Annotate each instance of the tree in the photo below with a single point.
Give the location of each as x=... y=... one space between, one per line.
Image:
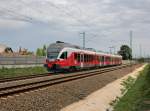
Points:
x=125 y=52
x=41 y=51
x=141 y=60
x=44 y=50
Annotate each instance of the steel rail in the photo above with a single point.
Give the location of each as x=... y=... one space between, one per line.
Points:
x=10 y=90
x=8 y=79
x=2 y=80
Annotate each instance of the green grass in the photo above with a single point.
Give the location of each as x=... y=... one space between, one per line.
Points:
x=13 y=72
x=137 y=97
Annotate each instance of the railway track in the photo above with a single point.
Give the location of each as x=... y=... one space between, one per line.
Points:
x=19 y=88
x=8 y=79
x=2 y=80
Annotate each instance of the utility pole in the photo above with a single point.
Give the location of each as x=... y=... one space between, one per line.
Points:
x=131 y=43
x=140 y=51
x=110 y=50
x=115 y=50
x=131 y=50
x=83 y=33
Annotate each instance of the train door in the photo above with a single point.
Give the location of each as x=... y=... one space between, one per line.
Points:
x=77 y=60
x=82 y=60
x=100 y=63
x=102 y=60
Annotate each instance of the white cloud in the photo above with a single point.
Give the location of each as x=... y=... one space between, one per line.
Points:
x=11 y=24
x=110 y=18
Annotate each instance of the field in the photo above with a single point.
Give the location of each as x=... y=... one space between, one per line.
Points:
x=137 y=97
x=13 y=72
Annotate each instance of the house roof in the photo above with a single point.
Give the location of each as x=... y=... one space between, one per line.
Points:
x=3 y=47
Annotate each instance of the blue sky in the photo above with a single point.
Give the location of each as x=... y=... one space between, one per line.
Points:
x=32 y=23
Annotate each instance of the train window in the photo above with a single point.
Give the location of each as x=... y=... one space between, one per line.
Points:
x=78 y=57
x=52 y=55
x=63 y=55
x=108 y=59
x=88 y=58
x=75 y=56
x=85 y=58
x=82 y=58
x=92 y=57
x=103 y=59
x=98 y=58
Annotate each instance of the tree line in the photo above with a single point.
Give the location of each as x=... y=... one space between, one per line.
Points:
x=41 y=51
x=126 y=52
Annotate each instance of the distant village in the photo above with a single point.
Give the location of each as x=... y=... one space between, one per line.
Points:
x=8 y=51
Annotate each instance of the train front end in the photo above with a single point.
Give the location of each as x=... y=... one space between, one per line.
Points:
x=57 y=56
x=52 y=61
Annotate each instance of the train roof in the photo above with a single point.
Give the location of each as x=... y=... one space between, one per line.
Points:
x=58 y=46
x=90 y=52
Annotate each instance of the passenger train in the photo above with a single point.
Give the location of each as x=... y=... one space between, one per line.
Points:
x=65 y=56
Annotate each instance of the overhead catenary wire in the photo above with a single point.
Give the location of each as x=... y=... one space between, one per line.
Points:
x=12 y=15
x=26 y=18
x=22 y=17
x=83 y=24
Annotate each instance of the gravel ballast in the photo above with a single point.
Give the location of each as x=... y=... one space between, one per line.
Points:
x=54 y=98
x=100 y=100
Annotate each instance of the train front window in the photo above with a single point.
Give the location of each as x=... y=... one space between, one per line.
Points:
x=52 y=55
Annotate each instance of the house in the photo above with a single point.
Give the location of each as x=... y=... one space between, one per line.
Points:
x=5 y=49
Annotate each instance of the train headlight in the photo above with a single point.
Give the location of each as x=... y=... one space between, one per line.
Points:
x=57 y=60
x=47 y=60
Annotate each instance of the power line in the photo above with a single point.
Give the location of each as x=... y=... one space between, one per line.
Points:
x=22 y=17
x=70 y=15
x=15 y=16
x=78 y=20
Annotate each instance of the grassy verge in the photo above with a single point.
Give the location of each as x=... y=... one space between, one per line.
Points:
x=13 y=72
x=137 y=97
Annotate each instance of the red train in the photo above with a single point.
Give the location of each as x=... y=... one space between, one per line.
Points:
x=62 y=56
